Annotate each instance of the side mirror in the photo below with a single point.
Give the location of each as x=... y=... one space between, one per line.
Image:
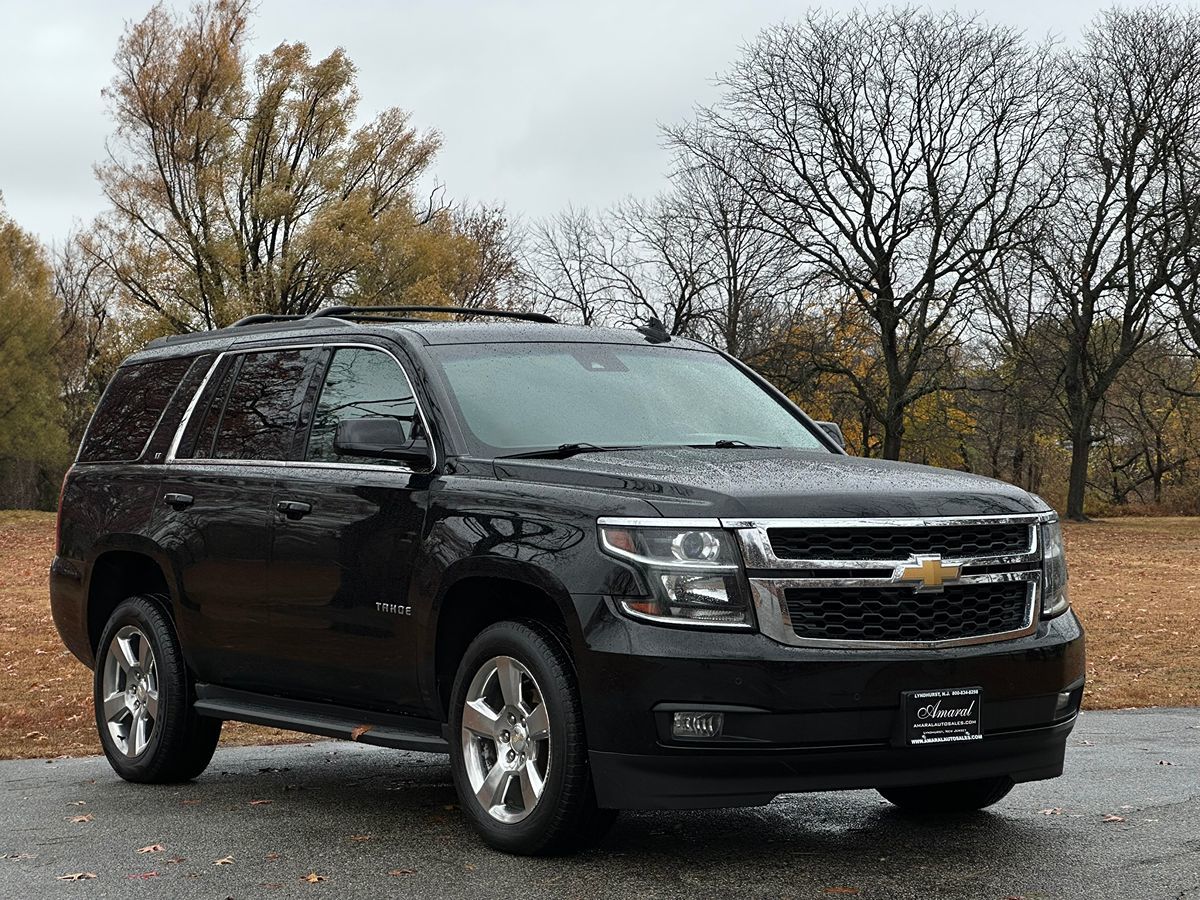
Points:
x=834 y=430
x=380 y=439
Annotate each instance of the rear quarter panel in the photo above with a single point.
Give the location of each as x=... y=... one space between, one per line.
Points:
x=104 y=507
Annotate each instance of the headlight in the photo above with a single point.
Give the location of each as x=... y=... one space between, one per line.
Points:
x=694 y=573
x=1055 y=597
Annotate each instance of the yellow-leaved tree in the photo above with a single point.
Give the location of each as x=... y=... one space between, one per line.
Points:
x=242 y=187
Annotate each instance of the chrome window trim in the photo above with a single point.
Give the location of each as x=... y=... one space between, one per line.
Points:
x=774 y=620
x=294 y=464
x=321 y=345
x=191 y=408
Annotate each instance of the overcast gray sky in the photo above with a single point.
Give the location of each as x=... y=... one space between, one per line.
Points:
x=540 y=104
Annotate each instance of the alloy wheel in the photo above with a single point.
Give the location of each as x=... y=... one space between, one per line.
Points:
x=130 y=691
x=506 y=739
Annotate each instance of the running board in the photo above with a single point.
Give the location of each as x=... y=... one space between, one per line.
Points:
x=364 y=726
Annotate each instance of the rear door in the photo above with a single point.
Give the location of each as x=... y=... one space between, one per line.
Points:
x=215 y=512
x=346 y=532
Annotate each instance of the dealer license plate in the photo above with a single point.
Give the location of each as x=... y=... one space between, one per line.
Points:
x=939 y=717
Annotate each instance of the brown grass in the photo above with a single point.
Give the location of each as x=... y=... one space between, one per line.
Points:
x=1133 y=582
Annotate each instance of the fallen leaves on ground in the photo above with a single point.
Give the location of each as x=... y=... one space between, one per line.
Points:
x=76 y=876
x=152 y=848
x=260 y=802
x=359 y=838
x=1052 y=811
x=313 y=878
x=400 y=873
x=223 y=861
x=80 y=820
x=142 y=876
x=359 y=731
x=1112 y=817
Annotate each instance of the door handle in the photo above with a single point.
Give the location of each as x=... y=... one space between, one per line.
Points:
x=294 y=509
x=178 y=501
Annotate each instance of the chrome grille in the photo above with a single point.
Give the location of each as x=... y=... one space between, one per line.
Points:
x=847 y=583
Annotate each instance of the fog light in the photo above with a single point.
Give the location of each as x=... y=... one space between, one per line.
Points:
x=697 y=725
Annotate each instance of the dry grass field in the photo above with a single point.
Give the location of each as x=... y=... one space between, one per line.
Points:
x=1133 y=581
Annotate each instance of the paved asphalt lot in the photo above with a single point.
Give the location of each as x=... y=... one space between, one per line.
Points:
x=380 y=823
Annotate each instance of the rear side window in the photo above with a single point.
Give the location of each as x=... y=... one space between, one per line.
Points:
x=130 y=408
x=360 y=384
x=256 y=413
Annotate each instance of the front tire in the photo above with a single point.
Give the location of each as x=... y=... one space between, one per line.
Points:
x=518 y=751
x=951 y=797
x=143 y=695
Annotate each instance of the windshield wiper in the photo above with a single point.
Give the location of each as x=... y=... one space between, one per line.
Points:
x=562 y=451
x=727 y=443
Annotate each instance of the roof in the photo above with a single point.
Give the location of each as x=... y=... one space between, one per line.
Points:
x=431 y=332
x=441 y=332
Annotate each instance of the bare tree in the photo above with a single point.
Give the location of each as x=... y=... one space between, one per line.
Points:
x=656 y=257
x=566 y=267
x=898 y=152
x=86 y=297
x=752 y=283
x=1112 y=254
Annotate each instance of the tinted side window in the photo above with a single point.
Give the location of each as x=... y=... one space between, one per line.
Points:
x=198 y=436
x=169 y=423
x=360 y=384
x=130 y=408
x=261 y=414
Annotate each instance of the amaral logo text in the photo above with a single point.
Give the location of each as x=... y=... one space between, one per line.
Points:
x=933 y=712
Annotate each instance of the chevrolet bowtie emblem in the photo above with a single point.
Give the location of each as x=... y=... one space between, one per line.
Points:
x=928 y=573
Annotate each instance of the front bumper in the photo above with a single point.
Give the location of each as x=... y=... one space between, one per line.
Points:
x=802 y=719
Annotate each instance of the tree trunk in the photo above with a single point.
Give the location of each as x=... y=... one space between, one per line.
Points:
x=1081 y=445
x=893 y=435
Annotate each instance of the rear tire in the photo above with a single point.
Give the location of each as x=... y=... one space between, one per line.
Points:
x=950 y=797
x=517 y=747
x=143 y=696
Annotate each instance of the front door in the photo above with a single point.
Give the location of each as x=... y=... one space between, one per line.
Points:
x=346 y=532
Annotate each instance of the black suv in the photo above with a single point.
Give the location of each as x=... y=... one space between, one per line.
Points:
x=600 y=568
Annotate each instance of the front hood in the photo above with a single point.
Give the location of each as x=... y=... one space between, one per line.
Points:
x=747 y=483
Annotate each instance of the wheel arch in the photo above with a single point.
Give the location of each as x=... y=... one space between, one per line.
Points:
x=120 y=570
x=513 y=590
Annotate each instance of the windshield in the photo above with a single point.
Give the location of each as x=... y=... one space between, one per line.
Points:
x=519 y=397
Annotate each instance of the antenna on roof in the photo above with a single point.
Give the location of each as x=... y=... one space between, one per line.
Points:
x=655 y=331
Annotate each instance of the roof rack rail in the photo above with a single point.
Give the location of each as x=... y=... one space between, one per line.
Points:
x=259 y=318
x=356 y=312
